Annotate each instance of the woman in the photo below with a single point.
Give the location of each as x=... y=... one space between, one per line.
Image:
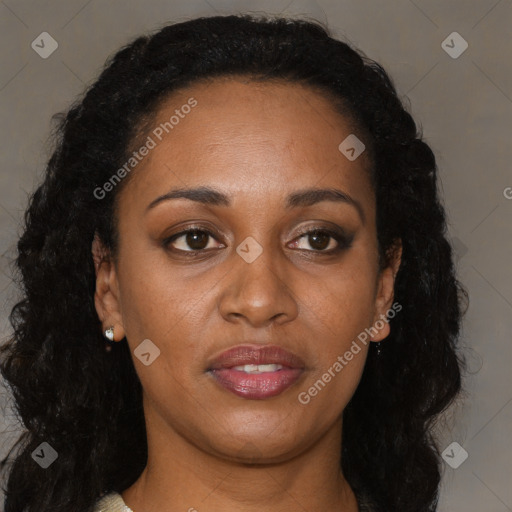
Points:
x=244 y=211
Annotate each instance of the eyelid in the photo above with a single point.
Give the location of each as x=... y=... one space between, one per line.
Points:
x=322 y=227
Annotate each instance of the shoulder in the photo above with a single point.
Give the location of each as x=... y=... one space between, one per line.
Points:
x=111 y=502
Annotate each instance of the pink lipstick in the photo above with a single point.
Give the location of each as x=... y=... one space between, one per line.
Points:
x=256 y=372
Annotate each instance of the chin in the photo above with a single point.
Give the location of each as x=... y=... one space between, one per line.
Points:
x=261 y=446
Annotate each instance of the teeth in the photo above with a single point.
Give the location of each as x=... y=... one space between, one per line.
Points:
x=258 y=368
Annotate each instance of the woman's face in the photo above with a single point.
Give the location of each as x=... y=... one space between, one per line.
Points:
x=257 y=280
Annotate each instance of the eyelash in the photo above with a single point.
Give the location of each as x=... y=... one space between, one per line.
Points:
x=344 y=242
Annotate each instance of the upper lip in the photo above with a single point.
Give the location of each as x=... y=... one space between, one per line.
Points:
x=253 y=354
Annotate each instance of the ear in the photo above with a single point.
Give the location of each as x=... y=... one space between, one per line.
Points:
x=106 y=296
x=385 y=290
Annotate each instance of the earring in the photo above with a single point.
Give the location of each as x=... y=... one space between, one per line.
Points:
x=109 y=333
x=378 y=349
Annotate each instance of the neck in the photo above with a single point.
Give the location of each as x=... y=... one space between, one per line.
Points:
x=180 y=476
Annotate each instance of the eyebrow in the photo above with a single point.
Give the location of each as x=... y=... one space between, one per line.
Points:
x=300 y=198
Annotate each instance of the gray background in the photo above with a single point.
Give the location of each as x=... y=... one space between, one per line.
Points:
x=464 y=106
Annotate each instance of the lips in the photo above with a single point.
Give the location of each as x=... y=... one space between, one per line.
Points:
x=256 y=372
x=249 y=354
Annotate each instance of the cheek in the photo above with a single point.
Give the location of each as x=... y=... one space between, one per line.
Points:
x=341 y=303
x=169 y=308
x=337 y=315
x=336 y=311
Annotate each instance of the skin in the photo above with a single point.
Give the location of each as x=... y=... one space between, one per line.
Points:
x=209 y=449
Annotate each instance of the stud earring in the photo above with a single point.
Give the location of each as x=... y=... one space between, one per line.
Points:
x=109 y=333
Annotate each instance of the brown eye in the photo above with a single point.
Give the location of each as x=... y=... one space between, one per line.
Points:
x=195 y=240
x=325 y=241
x=190 y=240
x=319 y=240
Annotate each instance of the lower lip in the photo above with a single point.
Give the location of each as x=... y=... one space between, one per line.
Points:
x=256 y=386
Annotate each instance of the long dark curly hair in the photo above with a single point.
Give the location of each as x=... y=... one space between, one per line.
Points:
x=86 y=402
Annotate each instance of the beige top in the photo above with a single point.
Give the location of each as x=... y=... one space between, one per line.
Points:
x=112 y=502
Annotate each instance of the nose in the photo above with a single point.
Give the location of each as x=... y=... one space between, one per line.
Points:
x=258 y=292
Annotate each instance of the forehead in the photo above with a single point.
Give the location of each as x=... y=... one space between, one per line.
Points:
x=249 y=138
